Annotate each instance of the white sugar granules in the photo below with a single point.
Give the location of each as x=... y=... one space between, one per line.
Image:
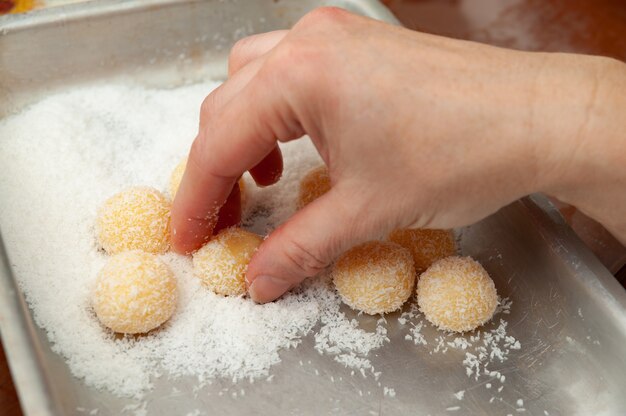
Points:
x=61 y=159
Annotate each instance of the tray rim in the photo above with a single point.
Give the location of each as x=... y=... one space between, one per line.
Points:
x=26 y=362
x=78 y=11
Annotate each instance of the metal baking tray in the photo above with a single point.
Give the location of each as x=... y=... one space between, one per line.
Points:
x=568 y=311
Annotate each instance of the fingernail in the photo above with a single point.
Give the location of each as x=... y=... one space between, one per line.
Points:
x=267 y=288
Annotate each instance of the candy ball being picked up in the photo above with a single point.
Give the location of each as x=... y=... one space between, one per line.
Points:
x=137 y=218
x=314 y=184
x=222 y=263
x=135 y=293
x=457 y=294
x=375 y=277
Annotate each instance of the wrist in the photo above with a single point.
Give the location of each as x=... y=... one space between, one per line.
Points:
x=584 y=144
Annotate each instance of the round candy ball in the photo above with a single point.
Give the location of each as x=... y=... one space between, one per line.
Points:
x=135 y=293
x=222 y=262
x=137 y=218
x=426 y=246
x=177 y=176
x=457 y=294
x=375 y=277
x=314 y=184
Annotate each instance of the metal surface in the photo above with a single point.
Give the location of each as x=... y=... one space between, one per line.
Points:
x=568 y=312
x=162 y=42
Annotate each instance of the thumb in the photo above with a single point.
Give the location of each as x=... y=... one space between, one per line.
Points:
x=304 y=245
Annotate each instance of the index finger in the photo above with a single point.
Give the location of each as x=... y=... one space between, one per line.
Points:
x=235 y=138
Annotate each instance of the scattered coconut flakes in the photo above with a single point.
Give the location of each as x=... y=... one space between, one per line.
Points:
x=440 y=346
x=504 y=306
x=137 y=409
x=415 y=334
x=459 y=343
x=482 y=348
x=496 y=346
x=93 y=141
x=389 y=392
x=342 y=337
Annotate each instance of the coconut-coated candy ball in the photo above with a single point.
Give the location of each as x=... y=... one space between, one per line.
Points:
x=375 y=277
x=426 y=246
x=313 y=185
x=135 y=293
x=137 y=218
x=457 y=294
x=222 y=262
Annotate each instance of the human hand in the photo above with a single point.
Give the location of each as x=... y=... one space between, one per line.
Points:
x=416 y=130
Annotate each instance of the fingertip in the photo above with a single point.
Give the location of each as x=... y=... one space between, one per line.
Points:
x=188 y=234
x=268 y=288
x=195 y=235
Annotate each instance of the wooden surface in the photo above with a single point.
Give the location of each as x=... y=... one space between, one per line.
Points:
x=9 y=404
x=583 y=26
x=595 y=27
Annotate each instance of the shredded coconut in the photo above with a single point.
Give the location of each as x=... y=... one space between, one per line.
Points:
x=482 y=349
x=389 y=392
x=65 y=155
x=61 y=159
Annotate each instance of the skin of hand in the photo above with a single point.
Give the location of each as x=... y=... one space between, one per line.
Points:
x=416 y=130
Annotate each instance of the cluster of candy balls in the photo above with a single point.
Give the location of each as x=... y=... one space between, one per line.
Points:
x=454 y=293
x=136 y=292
